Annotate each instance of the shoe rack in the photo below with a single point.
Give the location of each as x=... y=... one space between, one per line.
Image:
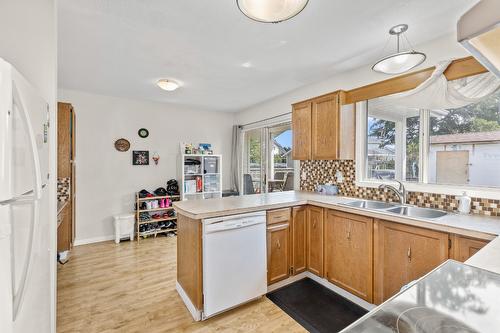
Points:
x=152 y=211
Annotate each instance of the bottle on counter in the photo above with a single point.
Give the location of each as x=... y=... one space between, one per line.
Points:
x=464 y=204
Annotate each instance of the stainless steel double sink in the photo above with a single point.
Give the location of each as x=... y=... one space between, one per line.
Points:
x=397 y=209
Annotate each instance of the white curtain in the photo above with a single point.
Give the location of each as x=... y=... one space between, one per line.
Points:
x=437 y=93
x=236 y=158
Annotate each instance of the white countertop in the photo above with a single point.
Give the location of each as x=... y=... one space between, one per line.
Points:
x=468 y=225
x=478 y=226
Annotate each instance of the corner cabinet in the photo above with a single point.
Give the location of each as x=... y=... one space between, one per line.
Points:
x=402 y=254
x=462 y=248
x=349 y=252
x=315 y=240
x=299 y=239
x=322 y=129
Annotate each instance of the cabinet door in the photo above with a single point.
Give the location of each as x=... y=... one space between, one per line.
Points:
x=299 y=219
x=301 y=131
x=278 y=252
x=325 y=127
x=463 y=247
x=315 y=240
x=348 y=254
x=403 y=254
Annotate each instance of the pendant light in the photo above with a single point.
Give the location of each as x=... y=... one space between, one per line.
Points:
x=271 y=11
x=401 y=61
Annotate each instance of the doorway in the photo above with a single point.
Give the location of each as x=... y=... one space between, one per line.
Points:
x=267 y=164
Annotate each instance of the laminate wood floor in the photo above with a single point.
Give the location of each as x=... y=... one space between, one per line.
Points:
x=108 y=287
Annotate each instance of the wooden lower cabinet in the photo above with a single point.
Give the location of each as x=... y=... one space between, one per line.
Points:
x=315 y=240
x=278 y=252
x=402 y=254
x=299 y=239
x=349 y=252
x=462 y=248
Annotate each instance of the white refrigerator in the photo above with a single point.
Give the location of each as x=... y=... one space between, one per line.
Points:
x=25 y=229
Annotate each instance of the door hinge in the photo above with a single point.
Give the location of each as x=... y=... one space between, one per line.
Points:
x=291 y=270
x=202 y=298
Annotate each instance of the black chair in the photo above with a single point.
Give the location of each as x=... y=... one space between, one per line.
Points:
x=248 y=184
x=288 y=185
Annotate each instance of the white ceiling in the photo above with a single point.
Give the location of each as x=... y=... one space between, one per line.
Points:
x=121 y=47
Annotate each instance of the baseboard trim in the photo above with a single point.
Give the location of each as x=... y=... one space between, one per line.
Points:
x=189 y=305
x=85 y=241
x=287 y=281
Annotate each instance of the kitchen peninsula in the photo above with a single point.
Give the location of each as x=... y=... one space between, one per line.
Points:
x=366 y=255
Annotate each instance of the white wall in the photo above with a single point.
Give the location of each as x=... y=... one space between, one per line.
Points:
x=28 y=41
x=106 y=179
x=437 y=50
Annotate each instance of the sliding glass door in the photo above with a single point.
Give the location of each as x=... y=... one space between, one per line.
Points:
x=267 y=164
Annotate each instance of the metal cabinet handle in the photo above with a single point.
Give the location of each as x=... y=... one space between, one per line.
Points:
x=314 y=224
x=278 y=244
x=349 y=235
x=409 y=254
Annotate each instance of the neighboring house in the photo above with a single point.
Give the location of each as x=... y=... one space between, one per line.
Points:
x=468 y=158
x=380 y=159
x=285 y=155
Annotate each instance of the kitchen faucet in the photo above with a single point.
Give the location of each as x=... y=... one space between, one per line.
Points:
x=401 y=192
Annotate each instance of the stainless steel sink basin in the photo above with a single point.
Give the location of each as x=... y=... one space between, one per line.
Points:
x=370 y=204
x=426 y=213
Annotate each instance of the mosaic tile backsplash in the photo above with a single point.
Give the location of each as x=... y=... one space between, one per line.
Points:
x=314 y=173
x=63 y=189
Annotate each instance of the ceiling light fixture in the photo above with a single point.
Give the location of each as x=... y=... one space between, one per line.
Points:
x=401 y=61
x=271 y=11
x=167 y=85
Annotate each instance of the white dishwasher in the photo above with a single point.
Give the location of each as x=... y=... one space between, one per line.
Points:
x=234 y=261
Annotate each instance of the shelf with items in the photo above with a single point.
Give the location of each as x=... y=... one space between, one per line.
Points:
x=201 y=176
x=157 y=219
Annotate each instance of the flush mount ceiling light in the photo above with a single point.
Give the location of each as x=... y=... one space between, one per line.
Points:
x=271 y=11
x=401 y=61
x=168 y=85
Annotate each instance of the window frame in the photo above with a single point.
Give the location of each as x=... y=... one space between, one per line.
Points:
x=422 y=185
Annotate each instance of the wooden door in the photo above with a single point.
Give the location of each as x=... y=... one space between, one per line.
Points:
x=301 y=131
x=299 y=233
x=315 y=240
x=349 y=252
x=325 y=127
x=402 y=254
x=278 y=252
x=452 y=167
x=462 y=248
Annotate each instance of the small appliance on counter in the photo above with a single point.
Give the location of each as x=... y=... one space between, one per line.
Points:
x=327 y=189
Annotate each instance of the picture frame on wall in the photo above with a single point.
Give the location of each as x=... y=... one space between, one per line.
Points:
x=140 y=157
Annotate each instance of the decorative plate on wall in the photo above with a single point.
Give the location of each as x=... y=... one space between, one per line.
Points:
x=122 y=144
x=143 y=133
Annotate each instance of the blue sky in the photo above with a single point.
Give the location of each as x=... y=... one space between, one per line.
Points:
x=285 y=138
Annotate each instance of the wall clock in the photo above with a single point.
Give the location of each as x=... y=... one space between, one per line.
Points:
x=143 y=133
x=122 y=144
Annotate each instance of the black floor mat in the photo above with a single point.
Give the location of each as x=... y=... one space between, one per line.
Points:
x=315 y=307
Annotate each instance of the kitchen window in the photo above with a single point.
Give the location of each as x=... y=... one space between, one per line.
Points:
x=451 y=146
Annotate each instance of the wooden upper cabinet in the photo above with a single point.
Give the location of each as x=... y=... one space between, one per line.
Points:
x=322 y=129
x=301 y=131
x=315 y=240
x=462 y=248
x=325 y=127
x=299 y=225
x=402 y=254
x=349 y=252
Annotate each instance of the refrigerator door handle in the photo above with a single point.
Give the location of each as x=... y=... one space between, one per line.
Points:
x=18 y=295
x=34 y=151
x=25 y=197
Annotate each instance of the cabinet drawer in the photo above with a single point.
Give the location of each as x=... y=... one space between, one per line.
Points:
x=278 y=215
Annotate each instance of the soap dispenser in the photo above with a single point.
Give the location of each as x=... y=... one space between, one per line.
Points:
x=464 y=204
